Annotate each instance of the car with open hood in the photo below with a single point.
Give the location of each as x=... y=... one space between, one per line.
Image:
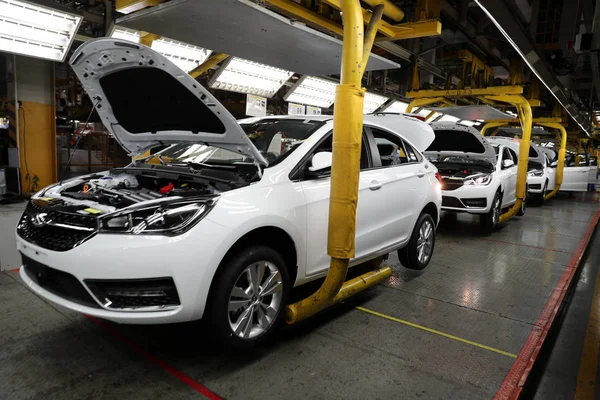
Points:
x=223 y=218
x=540 y=175
x=478 y=177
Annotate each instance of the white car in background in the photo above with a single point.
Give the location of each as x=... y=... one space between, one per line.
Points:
x=477 y=177
x=540 y=176
x=575 y=178
x=227 y=218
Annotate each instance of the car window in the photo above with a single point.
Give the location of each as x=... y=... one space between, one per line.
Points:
x=393 y=150
x=326 y=145
x=514 y=155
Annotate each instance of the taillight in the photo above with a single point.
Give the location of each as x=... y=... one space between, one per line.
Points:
x=438 y=177
x=418 y=117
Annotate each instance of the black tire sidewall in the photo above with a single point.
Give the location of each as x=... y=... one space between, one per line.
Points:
x=409 y=257
x=224 y=281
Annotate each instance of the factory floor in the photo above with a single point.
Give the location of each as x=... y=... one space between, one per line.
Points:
x=466 y=327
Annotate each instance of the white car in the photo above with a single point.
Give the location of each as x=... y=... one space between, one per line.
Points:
x=575 y=177
x=227 y=218
x=477 y=177
x=540 y=175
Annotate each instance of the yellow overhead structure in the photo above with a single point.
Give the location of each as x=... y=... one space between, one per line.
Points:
x=130 y=6
x=212 y=61
x=407 y=30
x=347 y=141
x=496 y=94
x=553 y=123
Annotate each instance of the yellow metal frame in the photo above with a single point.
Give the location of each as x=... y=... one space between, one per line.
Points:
x=347 y=141
x=212 y=61
x=500 y=94
x=554 y=123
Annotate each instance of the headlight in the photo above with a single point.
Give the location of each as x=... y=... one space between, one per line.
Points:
x=173 y=218
x=481 y=179
x=535 y=172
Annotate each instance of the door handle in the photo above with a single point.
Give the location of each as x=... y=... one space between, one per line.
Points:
x=420 y=174
x=375 y=185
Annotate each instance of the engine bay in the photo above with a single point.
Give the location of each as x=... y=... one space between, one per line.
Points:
x=123 y=187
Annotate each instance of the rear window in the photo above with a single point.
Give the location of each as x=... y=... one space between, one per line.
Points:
x=450 y=140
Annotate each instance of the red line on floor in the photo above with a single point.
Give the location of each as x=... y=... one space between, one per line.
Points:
x=14 y=270
x=525 y=245
x=517 y=376
x=152 y=358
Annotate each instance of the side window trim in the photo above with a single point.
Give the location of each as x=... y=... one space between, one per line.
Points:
x=296 y=172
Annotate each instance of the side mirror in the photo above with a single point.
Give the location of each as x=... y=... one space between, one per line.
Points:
x=507 y=163
x=554 y=164
x=321 y=161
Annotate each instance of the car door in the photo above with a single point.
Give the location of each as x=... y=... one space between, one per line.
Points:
x=401 y=194
x=551 y=171
x=508 y=177
x=575 y=178
x=317 y=191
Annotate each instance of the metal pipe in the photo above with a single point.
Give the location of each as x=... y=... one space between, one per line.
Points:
x=370 y=34
x=526 y=117
x=561 y=156
x=345 y=169
x=208 y=64
x=490 y=125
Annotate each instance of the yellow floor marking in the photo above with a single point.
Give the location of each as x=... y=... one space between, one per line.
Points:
x=586 y=378
x=446 y=335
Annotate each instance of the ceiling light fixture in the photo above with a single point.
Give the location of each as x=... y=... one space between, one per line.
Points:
x=372 y=102
x=312 y=91
x=245 y=76
x=36 y=31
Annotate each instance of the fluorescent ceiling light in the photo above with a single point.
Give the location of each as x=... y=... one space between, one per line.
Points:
x=448 y=118
x=185 y=56
x=373 y=102
x=435 y=116
x=424 y=112
x=36 y=31
x=514 y=45
x=397 y=107
x=244 y=76
x=312 y=91
x=468 y=123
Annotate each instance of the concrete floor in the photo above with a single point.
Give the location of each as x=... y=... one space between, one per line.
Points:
x=480 y=295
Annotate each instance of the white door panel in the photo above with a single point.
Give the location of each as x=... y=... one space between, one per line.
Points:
x=551 y=178
x=592 y=175
x=316 y=192
x=575 y=179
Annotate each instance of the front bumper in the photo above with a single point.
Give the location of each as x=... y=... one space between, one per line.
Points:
x=190 y=260
x=535 y=184
x=471 y=199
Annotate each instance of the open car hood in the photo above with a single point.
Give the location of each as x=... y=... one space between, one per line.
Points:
x=145 y=100
x=460 y=141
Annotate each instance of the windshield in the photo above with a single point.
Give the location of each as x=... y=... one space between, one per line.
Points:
x=274 y=138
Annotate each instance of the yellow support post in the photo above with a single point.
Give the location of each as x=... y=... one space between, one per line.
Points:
x=561 y=155
x=208 y=64
x=526 y=118
x=347 y=140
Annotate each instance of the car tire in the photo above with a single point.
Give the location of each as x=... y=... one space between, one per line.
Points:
x=489 y=221
x=418 y=252
x=542 y=196
x=522 y=209
x=246 y=305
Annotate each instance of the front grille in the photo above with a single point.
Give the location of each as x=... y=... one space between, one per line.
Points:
x=135 y=293
x=451 y=184
x=449 y=201
x=57 y=230
x=535 y=186
x=58 y=282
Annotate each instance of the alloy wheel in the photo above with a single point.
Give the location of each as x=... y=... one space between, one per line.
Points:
x=255 y=300
x=425 y=242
